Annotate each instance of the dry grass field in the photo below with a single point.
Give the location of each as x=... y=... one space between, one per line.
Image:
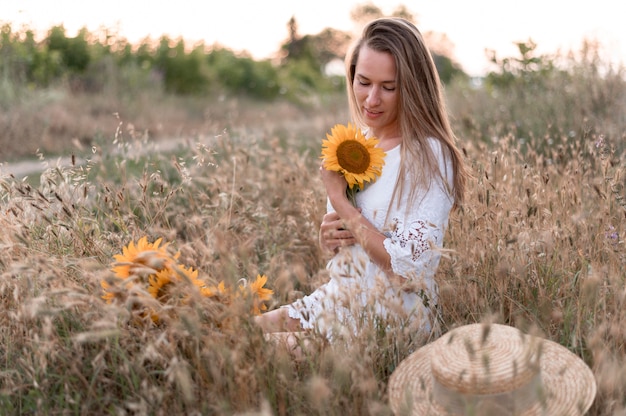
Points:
x=538 y=245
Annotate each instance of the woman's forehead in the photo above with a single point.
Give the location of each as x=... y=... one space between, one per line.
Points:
x=376 y=65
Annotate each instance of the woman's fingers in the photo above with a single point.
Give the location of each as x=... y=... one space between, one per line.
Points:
x=335 y=238
x=330 y=217
x=339 y=234
x=333 y=232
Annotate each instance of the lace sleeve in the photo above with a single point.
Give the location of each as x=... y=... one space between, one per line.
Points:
x=414 y=237
x=413 y=248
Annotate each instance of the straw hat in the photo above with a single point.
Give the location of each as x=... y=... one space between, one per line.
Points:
x=491 y=369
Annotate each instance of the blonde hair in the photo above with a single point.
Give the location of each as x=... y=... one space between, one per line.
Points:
x=422 y=113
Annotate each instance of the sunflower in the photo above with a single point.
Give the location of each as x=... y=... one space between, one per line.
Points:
x=257 y=289
x=258 y=292
x=347 y=151
x=219 y=291
x=159 y=284
x=111 y=292
x=143 y=257
x=189 y=275
x=151 y=267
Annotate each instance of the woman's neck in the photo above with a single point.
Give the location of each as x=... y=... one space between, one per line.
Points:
x=388 y=143
x=387 y=139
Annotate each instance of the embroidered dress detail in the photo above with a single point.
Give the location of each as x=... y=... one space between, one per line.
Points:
x=414 y=236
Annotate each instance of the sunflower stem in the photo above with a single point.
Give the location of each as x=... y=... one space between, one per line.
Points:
x=351 y=194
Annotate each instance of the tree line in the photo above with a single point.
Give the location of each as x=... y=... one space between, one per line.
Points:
x=91 y=62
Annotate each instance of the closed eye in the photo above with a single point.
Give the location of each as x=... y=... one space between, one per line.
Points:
x=386 y=88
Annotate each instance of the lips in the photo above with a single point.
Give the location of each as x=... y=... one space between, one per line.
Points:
x=371 y=113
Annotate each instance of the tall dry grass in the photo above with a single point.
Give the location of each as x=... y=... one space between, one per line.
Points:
x=538 y=244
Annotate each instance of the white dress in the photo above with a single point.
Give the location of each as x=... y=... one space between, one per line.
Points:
x=358 y=290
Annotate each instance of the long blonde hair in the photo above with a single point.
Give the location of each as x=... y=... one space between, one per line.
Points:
x=422 y=113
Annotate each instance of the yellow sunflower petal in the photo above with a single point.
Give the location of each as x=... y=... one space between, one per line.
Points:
x=111 y=292
x=347 y=151
x=190 y=277
x=157 y=283
x=257 y=288
x=107 y=296
x=141 y=256
x=220 y=290
x=258 y=294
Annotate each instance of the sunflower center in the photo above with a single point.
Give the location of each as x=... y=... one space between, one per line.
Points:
x=353 y=156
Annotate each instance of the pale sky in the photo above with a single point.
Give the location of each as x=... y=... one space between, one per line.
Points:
x=260 y=26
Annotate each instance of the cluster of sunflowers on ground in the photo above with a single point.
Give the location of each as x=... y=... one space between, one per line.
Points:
x=151 y=270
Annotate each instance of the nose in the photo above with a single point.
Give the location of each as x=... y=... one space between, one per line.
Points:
x=373 y=97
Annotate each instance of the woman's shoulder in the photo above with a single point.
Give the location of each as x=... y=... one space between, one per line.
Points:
x=442 y=157
x=440 y=153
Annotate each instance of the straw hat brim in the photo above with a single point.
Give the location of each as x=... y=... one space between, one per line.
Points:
x=568 y=382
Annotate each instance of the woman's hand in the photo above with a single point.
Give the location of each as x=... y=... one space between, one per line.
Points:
x=346 y=226
x=333 y=235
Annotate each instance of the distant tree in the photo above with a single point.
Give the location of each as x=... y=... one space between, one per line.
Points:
x=447 y=68
x=404 y=12
x=182 y=71
x=13 y=65
x=243 y=75
x=363 y=13
x=74 y=51
x=528 y=68
x=439 y=45
x=319 y=49
x=442 y=51
x=143 y=55
x=330 y=44
x=299 y=48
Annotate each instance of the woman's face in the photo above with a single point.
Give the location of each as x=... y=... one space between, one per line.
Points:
x=376 y=91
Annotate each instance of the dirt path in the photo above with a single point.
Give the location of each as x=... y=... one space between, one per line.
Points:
x=26 y=168
x=23 y=168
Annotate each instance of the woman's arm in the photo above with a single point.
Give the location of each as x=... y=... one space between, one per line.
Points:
x=349 y=218
x=409 y=248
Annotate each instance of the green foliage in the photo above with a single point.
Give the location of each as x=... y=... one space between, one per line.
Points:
x=243 y=75
x=527 y=68
x=182 y=71
x=300 y=78
x=90 y=65
x=23 y=61
x=74 y=52
x=301 y=49
x=544 y=99
x=447 y=69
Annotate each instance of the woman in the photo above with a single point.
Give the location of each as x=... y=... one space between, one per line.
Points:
x=387 y=246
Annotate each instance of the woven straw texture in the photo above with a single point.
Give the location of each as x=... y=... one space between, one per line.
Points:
x=492 y=359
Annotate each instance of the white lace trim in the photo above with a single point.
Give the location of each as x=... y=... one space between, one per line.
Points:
x=304 y=310
x=411 y=248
